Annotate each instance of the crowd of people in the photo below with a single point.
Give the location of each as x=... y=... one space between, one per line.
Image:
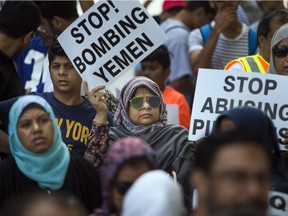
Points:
x=67 y=148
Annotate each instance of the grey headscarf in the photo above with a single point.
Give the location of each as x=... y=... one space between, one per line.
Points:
x=279 y=35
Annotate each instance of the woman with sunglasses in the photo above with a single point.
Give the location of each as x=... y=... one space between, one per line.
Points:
x=142 y=113
x=40 y=160
x=279 y=51
x=279 y=65
x=126 y=160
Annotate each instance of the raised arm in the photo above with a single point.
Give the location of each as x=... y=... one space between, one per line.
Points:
x=201 y=58
x=98 y=140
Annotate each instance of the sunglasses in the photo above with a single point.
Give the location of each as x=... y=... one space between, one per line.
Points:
x=137 y=102
x=122 y=187
x=280 y=51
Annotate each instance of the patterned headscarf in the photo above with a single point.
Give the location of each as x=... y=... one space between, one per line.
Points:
x=49 y=168
x=127 y=92
x=279 y=35
x=121 y=151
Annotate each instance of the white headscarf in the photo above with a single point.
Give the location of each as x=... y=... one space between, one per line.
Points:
x=279 y=35
x=154 y=194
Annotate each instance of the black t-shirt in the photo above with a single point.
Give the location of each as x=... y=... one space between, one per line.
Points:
x=10 y=83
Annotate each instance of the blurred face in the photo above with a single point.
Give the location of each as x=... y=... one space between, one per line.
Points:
x=281 y=58
x=125 y=178
x=35 y=130
x=146 y=114
x=223 y=5
x=239 y=181
x=64 y=76
x=46 y=33
x=154 y=71
x=48 y=207
x=268 y=5
x=265 y=42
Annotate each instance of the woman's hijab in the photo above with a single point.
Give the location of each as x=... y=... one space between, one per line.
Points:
x=154 y=193
x=49 y=168
x=279 y=35
x=121 y=151
x=256 y=121
x=126 y=94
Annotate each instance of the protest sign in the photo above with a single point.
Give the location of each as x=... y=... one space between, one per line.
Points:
x=110 y=38
x=218 y=91
x=278 y=204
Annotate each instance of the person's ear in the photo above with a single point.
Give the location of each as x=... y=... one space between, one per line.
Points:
x=28 y=37
x=199 y=181
x=57 y=22
x=167 y=72
x=200 y=13
x=261 y=40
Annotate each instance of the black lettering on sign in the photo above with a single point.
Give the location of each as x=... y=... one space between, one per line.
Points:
x=198 y=124
x=277 y=202
x=208 y=106
x=255 y=85
x=230 y=86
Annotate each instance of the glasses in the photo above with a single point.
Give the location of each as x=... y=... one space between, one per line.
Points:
x=137 y=102
x=280 y=51
x=122 y=187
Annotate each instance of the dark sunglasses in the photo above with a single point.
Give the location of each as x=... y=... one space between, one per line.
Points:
x=122 y=187
x=137 y=102
x=280 y=51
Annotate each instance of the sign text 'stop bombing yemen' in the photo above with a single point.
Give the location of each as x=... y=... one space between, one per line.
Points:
x=110 y=39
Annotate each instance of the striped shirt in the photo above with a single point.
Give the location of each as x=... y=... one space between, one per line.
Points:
x=226 y=49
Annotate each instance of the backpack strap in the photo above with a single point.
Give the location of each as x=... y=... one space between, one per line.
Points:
x=252 y=42
x=205 y=32
x=252 y=46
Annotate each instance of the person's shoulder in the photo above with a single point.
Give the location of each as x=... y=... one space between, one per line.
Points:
x=80 y=163
x=172 y=25
x=7 y=165
x=175 y=129
x=173 y=91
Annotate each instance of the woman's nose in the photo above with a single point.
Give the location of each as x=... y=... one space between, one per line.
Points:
x=146 y=104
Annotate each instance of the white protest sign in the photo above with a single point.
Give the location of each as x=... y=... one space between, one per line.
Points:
x=172 y=113
x=278 y=204
x=218 y=91
x=110 y=38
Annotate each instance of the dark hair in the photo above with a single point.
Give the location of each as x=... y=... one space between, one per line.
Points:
x=174 y=10
x=55 y=50
x=30 y=106
x=193 y=5
x=18 y=18
x=65 y=9
x=135 y=162
x=161 y=55
x=211 y=145
x=264 y=24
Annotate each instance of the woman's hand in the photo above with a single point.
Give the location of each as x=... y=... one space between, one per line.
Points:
x=97 y=98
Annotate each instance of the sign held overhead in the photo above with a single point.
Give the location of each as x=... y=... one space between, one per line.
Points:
x=110 y=38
